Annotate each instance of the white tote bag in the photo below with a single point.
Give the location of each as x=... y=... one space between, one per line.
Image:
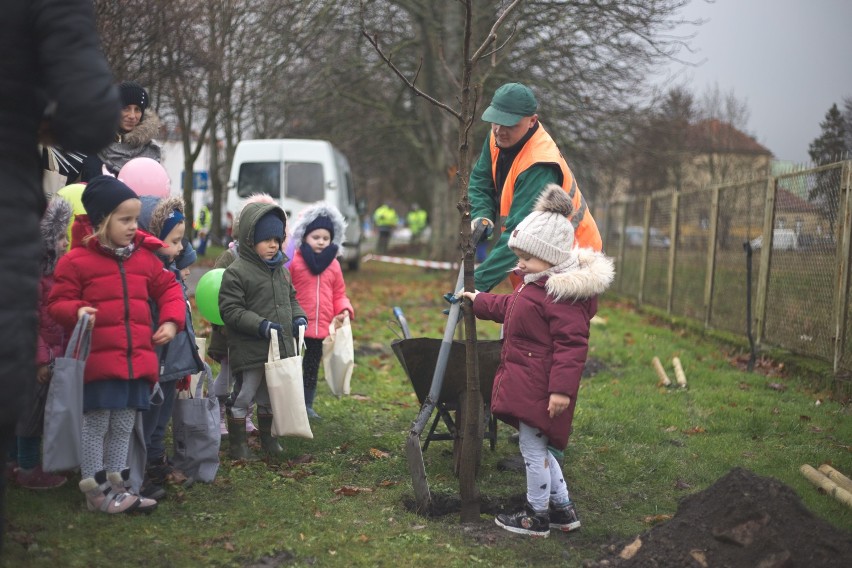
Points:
x=286 y=390
x=338 y=357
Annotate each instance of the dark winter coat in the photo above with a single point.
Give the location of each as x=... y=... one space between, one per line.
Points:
x=138 y=143
x=119 y=289
x=250 y=293
x=545 y=343
x=50 y=48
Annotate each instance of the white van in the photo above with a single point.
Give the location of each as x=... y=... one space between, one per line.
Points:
x=298 y=173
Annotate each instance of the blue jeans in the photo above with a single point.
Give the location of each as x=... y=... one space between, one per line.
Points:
x=155 y=420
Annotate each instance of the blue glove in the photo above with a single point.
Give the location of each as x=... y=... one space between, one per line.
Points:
x=265 y=329
x=489 y=228
x=297 y=323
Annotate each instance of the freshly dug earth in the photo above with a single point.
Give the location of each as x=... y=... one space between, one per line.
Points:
x=741 y=521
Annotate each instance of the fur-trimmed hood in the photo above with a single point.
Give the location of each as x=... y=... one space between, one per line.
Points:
x=54 y=226
x=321 y=209
x=590 y=275
x=145 y=132
x=155 y=211
x=253 y=198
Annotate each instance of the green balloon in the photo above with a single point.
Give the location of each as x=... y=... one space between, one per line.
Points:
x=207 y=295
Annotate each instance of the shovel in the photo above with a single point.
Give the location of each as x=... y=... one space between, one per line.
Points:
x=413 y=453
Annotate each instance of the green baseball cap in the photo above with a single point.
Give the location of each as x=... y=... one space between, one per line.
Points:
x=510 y=104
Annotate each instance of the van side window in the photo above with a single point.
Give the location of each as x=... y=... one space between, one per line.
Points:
x=259 y=177
x=304 y=181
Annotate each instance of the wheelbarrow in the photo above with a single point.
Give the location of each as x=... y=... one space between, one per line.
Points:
x=418 y=356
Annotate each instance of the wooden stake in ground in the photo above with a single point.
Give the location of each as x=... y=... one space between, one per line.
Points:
x=837 y=477
x=825 y=484
x=664 y=378
x=679 y=374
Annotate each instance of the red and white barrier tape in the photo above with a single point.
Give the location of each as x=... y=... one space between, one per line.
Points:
x=411 y=261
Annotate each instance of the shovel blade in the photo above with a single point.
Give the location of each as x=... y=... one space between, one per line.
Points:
x=417 y=469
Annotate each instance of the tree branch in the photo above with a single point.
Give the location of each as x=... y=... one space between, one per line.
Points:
x=492 y=35
x=375 y=43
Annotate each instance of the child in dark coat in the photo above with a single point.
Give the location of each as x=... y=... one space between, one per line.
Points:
x=546 y=334
x=255 y=297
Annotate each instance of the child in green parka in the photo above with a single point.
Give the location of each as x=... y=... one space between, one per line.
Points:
x=255 y=297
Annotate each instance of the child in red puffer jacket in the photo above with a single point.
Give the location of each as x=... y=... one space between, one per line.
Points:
x=110 y=274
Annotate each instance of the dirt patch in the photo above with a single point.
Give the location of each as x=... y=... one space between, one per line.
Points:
x=741 y=521
x=443 y=505
x=593 y=367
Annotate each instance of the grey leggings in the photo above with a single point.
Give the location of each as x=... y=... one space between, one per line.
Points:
x=106 y=440
x=545 y=482
x=252 y=389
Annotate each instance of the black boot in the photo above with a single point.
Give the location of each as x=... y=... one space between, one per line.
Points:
x=310 y=393
x=237 y=440
x=268 y=442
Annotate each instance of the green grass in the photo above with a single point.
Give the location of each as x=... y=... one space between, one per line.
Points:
x=637 y=449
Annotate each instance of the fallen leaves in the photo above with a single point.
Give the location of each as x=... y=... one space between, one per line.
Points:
x=350 y=490
x=379 y=454
x=654 y=519
x=694 y=430
x=631 y=549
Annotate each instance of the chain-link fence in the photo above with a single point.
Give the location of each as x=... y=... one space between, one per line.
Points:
x=786 y=239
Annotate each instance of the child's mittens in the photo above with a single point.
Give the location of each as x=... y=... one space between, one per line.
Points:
x=297 y=323
x=265 y=329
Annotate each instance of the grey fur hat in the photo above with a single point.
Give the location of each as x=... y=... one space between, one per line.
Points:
x=54 y=225
x=322 y=209
x=546 y=233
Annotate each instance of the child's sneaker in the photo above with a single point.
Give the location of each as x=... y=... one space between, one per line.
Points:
x=250 y=427
x=564 y=519
x=526 y=522
x=38 y=479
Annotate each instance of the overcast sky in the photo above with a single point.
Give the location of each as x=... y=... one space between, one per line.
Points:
x=789 y=60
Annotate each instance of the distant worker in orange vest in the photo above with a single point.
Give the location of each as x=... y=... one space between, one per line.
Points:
x=519 y=159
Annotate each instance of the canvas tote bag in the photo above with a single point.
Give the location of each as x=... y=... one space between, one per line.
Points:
x=195 y=432
x=63 y=410
x=338 y=357
x=286 y=390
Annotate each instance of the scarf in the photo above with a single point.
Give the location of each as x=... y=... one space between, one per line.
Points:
x=275 y=261
x=318 y=262
x=121 y=253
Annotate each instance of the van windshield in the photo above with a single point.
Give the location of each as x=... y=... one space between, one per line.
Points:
x=259 y=177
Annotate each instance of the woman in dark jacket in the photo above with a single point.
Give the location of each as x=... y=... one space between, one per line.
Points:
x=545 y=343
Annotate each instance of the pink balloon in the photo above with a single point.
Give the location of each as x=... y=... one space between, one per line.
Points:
x=146 y=177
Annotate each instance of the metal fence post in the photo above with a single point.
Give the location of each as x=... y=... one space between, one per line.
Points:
x=670 y=280
x=841 y=304
x=711 y=257
x=765 y=258
x=646 y=224
x=621 y=247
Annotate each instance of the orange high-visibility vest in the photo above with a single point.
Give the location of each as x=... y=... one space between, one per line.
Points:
x=541 y=149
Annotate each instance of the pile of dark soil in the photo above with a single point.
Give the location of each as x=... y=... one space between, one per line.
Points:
x=741 y=521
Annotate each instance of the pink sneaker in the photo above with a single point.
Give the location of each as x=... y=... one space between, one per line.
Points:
x=38 y=479
x=250 y=427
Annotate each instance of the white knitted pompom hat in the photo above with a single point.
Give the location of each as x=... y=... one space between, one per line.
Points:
x=546 y=233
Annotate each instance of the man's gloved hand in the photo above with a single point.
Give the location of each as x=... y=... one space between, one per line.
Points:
x=265 y=329
x=489 y=228
x=453 y=297
x=297 y=323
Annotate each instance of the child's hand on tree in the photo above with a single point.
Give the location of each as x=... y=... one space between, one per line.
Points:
x=557 y=404
x=165 y=333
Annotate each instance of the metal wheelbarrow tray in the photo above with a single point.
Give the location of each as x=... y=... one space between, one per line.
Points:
x=417 y=357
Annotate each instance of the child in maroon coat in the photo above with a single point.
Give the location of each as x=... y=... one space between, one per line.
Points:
x=546 y=333
x=110 y=275
x=52 y=341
